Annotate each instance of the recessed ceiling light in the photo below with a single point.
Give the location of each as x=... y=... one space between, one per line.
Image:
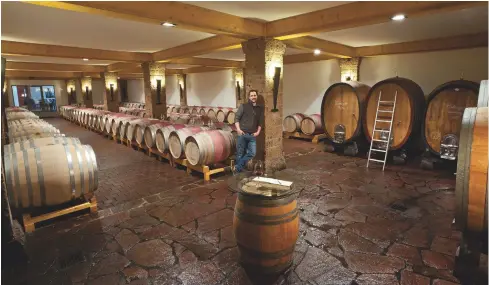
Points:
x=85 y=59
x=316 y=52
x=398 y=17
x=168 y=24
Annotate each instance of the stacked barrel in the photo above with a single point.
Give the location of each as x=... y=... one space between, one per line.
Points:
x=42 y=166
x=298 y=122
x=216 y=143
x=215 y=114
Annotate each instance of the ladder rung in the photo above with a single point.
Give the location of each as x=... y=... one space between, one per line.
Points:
x=383 y=121
x=386 y=102
x=382 y=131
x=386 y=111
x=376 y=160
x=379 y=150
x=376 y=140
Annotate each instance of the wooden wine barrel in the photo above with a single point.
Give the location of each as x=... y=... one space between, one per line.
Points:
x=472 y=172
x=11 y=116
x=176 y=140
x=25 y=122
x=194 y=111
x=409 y=113
x=292 y=123
x=140 y=128
x=119 y=126
x=444 y=112
x=150 y=133
x=199 y=120
x=312 y=124
x=209 y=147
x=203 y=111
x=258 y=221
x=126 y=129
x=222 y=114
x=483 y=99
x=50 y=175
x=163 y=134
x=225 y=127
x=39 y=142
x=185 y=110
x=231 y=118
x=28 y=131
x=342 y=111
x=211 y=113
x=34 y=136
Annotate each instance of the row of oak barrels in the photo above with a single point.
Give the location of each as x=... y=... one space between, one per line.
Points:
x=348 y=112
x=200 y=145
x=43 y=167
x=220 y=114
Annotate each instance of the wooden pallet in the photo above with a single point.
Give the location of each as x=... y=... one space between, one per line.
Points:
x=30 y=222
x=159 y=155
x=204 y=169
x=314 y=138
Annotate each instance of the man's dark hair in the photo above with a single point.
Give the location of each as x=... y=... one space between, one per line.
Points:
x=252 y=90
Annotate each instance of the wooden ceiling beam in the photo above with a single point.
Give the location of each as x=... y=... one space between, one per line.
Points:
x=119 y=66
x=201 y=69
x=209 y=62
x=20 y=48
x=41 y=74
x=326 y=47
x=36 y=66
x=183 y=15
x=208 y=45
x=359 y=14
x=447 y=43
x=306 y=57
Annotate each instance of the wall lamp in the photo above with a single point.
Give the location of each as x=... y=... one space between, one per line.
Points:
x=276 y=82
x=87 y=92
x=238 y=89
x=111 y=92
x=158 y=91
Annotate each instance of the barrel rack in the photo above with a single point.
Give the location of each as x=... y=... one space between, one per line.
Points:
x=314 y=138
x=30 y=221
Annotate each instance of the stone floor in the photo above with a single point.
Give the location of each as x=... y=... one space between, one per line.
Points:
x=159 y=226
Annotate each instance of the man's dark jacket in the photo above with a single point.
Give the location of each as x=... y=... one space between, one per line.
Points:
x=249 y=117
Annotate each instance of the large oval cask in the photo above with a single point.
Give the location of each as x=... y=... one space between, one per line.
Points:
x=409 y=111
x=176 y=140
x=472 y=164
x=443 y=118
x=39 y=142
x=209 y=147
x=312 y=124
x=342 y=111
x=266 y=230
x=50 y=175
x=292 y=123
x=163 y=134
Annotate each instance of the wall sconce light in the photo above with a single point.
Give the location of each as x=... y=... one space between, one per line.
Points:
x=87 y=92
x=180 y=84
x=238 y=89
x=276 y=82
x=111 y=92
x=158 y=91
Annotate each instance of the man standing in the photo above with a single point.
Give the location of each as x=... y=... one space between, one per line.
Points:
x=249 y=121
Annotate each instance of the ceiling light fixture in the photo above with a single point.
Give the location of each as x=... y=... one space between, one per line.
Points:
x=316 y=52
x=85 y=59
x=398 y=17
x=168 y=24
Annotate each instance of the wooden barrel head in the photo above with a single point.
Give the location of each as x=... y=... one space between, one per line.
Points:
x=211 y=113
x=175 y=146
x=403 y=117
x=231 y=117
x=221 y=115
x=292 y=123
x=446 y=105
x=192 y=152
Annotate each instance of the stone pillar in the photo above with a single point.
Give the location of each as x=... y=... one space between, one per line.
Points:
x=154 y=89
x=350 y=69
x=238 y=81
x=182 y=86
x=111 y=91
x=7 y=92
x=264 y=59
x=86 y=88
x=71 y=91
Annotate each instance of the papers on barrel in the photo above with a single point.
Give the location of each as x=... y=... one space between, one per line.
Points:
x=267 y=186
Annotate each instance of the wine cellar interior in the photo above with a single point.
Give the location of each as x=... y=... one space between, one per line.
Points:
x=122 y=142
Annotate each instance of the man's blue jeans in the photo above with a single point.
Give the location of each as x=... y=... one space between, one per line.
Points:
x=245 y=150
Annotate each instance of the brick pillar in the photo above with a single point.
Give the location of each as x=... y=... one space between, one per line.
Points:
x=238 y=81
x=111 y=91
x=71 y=91
x=263 y=56
x=154 y=82
x=350 y=69
x=182 y=86
x=86 y=88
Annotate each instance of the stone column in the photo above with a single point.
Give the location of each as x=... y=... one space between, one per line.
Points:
x=111 y=91
x=238 y=81
x=349 y=68
x=182 y=86
x=86 y=88
x=71 y=91
x=154 y=89
x=264 y=59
